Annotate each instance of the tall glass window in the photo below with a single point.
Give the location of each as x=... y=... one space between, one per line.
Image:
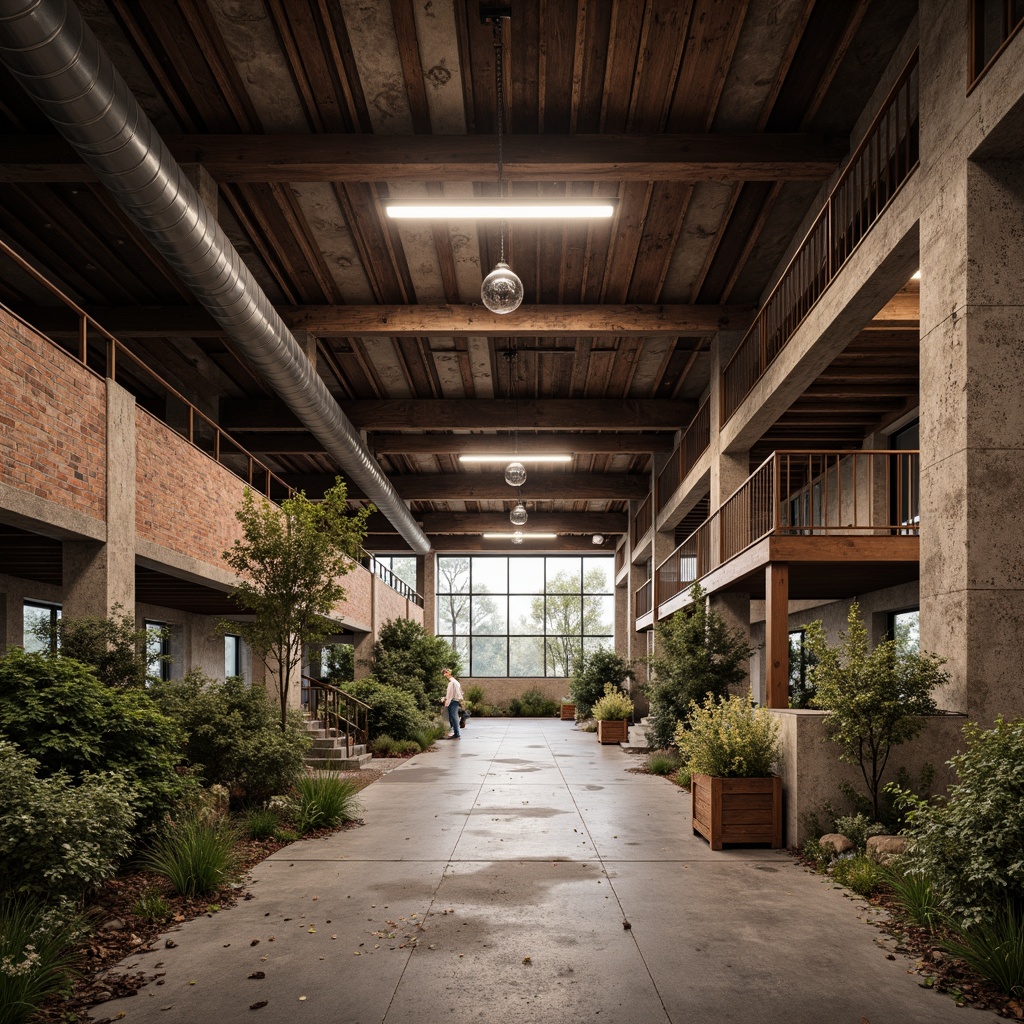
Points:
x=158 y=650
x=232 y=655
x=525 y=615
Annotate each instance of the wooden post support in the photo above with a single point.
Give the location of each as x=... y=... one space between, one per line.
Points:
x=776 y=592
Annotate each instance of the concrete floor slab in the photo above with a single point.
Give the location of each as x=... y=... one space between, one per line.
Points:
x=477 y=891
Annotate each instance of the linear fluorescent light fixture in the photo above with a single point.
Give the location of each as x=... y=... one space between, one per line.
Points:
x=515 y=458
x=519 y=533
x=485 y=209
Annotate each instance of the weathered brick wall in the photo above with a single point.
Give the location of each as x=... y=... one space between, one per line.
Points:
x=356 y=609
x=53 y=422
x=390 y=604
x=184 y=500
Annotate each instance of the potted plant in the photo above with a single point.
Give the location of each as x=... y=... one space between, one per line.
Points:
x=567 y=710
x=731 y=748
x=611 y=713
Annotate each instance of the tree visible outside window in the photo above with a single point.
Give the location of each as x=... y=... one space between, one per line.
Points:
x=525 y=615
x=39 y=626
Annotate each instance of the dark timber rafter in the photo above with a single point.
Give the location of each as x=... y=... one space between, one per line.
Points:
x=369 y=158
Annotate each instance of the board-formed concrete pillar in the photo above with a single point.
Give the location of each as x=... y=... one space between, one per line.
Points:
x=100 y=576
x=972 y=435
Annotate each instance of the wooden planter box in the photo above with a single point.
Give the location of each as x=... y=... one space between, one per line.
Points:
x=613 y=732
x=737 y=810
x=568 y=713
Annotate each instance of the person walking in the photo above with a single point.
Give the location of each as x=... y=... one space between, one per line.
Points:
x=453 y=701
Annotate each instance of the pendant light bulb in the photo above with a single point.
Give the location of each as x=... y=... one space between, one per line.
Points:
x=519 y=515
x=515 y=474
x=517 y=537
x=502 y=291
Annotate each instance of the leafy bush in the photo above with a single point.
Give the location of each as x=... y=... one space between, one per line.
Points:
x=114 y=648
x=383 y=745
x=614 y=706
x=232 y=735
x=532 y=704
x=700 y=656
x=326 y=802
x=338 y=664
x=858 y=828
x=591 y=672
x=393 y=711
x=994 y=948
x=876 y=698
x=56 y=708
x=970 y=842
x=37 y=956
x=662 y=762
x=57 y=838
x=195 y=854
x=683 y=778
x=473 y=694
x=409 y=658
x=729 y=739
x=262 y=823
x=388 y=746
x=859 y=873
x=915 y=895
x=426 y=737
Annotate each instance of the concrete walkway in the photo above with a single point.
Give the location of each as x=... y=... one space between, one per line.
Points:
x=493 y=881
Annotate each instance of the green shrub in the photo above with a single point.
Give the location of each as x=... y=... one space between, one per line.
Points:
x=859 y=873
x=38 y=956
x=57 y=709
x=729 y=739
x=532 y=704
x=662 y=762
x=58 y=838
x=383 y=745
x=816 y=854
x=970 y=842
x=700 y=655
x=152 y=906
x=195 y=854
x=393 y=712
x=858 y=828
x=590 y=673
x=474 y=695
x=232 y=735
x=262 y=823
x=614 y=706
x=915 y=895
x=409 y=658
x=683 y=777
x=326 y=802
x=994 y=947
x=426 y=737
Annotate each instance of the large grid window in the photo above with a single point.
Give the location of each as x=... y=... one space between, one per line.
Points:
x=524 y=615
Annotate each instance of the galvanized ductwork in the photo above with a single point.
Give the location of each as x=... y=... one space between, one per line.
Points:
x=54 y=54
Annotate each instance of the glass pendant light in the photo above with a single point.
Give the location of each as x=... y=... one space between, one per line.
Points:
x=519 y=515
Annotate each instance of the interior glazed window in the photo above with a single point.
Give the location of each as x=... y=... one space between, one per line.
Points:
x=39 y=622
x=525 y=615
x=158 y=650
x=232 y=655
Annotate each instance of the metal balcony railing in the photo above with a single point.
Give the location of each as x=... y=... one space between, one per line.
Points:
x=643 y=521
x=692 y=445
x=879 y=166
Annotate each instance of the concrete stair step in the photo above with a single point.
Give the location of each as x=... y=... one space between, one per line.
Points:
x=341 y=764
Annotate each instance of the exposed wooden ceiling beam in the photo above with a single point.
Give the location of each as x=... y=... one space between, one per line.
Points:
x=370 y=158
x=538 y=321
x=243 y=414
x=540 y=444
x=478 y=522
x=469 y=544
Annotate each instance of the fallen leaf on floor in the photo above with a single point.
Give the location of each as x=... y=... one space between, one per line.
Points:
x=259 y=1005
x=258 y=975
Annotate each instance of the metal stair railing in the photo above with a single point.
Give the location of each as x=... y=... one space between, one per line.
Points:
x=342 y=714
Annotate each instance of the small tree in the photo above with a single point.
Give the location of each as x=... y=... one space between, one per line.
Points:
x=875 y=697
x=591 y=672
x=290 y=562
x=406 y=656
x=700 y=656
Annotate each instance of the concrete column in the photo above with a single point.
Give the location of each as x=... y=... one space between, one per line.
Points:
x=972 y=435
x=100 y=576
x=426 y=586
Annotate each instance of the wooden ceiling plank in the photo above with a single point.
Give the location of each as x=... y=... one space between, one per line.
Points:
x=662 y=44
x=541 y=444
x=477 y=522
x=540 y=486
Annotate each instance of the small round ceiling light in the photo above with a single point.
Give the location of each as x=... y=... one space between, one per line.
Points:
x=515 y=474
x=519 y=515
x=502 y=291
x=597 y=540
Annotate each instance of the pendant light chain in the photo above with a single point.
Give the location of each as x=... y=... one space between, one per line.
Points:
x=499 y=82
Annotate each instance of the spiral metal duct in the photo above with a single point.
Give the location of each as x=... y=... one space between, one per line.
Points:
x=60 y=63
